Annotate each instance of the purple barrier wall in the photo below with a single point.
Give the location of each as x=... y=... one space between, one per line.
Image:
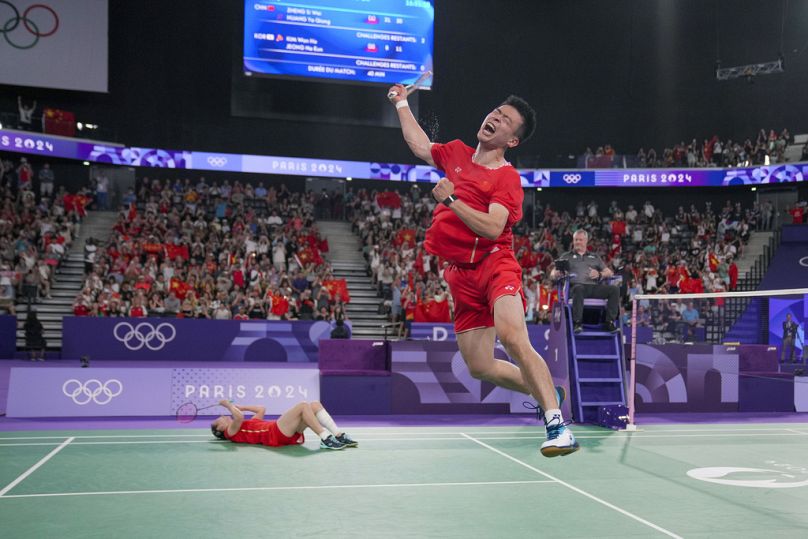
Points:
x=348 y=357
x=687 y=378
x=8 y=336
x=539 y=334
x=192 y=340
x=366 y=394
x=154 y=391
x=431 y=377
x=794 y=233
x=789 y=267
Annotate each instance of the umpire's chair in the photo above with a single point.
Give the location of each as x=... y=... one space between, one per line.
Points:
x=597 y=363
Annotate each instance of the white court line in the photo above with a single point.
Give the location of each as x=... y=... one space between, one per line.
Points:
x=28 y=444
x=33 y=468
x=591 y=429
x=109 y=436
x=635 y=436
x=576 y=489
x=372 y=432
x=253 y=489
x=612 y=437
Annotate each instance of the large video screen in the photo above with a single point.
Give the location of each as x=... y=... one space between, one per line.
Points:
x=362 y=41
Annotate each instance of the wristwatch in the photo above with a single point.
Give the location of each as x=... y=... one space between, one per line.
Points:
x=448 y=200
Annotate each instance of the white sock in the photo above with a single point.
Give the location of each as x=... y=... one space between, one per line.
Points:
x=325 y=420
x=553 y=415
x=325 y=434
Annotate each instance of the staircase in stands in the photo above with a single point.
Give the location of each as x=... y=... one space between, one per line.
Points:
x=347 y=262
x=67 y=282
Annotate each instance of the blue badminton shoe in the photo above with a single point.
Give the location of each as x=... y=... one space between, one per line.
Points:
x=347 y=441
x=331 y=443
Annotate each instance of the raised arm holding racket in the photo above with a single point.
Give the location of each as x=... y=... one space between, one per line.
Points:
x=287 y=430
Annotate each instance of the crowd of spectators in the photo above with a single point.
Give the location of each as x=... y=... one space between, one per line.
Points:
x=693 y=250
x=226 y=250
x=712 y=152
x=36 y=231
x=392 y=227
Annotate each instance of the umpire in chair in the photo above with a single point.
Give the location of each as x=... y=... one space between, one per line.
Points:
x=586 y=271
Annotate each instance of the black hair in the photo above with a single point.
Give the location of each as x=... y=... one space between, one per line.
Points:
x=216 y=432
x=527 y=113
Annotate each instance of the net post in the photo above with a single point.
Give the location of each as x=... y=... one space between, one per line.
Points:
x=632 y=366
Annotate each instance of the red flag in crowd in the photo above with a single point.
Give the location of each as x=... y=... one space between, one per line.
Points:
x=433 y=311
x=59 y=122
x=338 y=286
x=405 y=236
x=388 y=199
x=180 y=288
x=173 y=251
x=712 y=258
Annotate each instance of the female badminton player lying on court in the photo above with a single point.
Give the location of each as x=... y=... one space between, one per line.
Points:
x=287 y=430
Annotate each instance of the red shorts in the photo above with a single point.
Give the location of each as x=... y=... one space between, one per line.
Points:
x=276 y=438
x=475 y=290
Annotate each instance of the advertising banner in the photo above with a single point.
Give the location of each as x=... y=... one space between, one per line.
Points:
x=177 y=339
x=99 y=392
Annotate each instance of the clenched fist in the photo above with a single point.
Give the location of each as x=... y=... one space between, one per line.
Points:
x=443 y=189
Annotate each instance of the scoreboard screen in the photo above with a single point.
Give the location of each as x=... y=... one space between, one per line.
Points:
x=361 y=41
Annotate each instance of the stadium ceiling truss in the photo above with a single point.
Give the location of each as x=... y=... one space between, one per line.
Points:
x=749 y=71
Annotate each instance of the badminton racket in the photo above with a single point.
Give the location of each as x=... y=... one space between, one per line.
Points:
x=415 y=86
x=188 y=411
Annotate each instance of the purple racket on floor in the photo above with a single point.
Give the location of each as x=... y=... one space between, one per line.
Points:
x=188 y=411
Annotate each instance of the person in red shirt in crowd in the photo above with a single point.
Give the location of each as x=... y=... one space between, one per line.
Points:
x=287 y=430
x=733 y=273
x=797 y=215
x=137 y=310
x=480 y=200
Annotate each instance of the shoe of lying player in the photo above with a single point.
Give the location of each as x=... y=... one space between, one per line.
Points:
x=331 y=443
x=347 y=441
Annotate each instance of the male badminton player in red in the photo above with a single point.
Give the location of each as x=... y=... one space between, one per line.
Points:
x=287 y=430
x=480 y=200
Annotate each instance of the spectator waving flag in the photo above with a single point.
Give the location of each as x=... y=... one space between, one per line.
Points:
x=338 y=286
x=405 y=236
x=712 y=259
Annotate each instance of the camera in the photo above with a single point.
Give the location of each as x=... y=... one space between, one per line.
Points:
x=562 y=265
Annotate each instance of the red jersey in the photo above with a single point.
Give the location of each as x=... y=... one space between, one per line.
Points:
x=478 y=187
x=260 y=431
x=252 y=431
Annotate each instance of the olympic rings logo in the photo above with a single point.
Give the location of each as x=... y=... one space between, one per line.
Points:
x=144 y=334
x=28 y=24
x=217 y=161
x=572 y=178
x=92 y=390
